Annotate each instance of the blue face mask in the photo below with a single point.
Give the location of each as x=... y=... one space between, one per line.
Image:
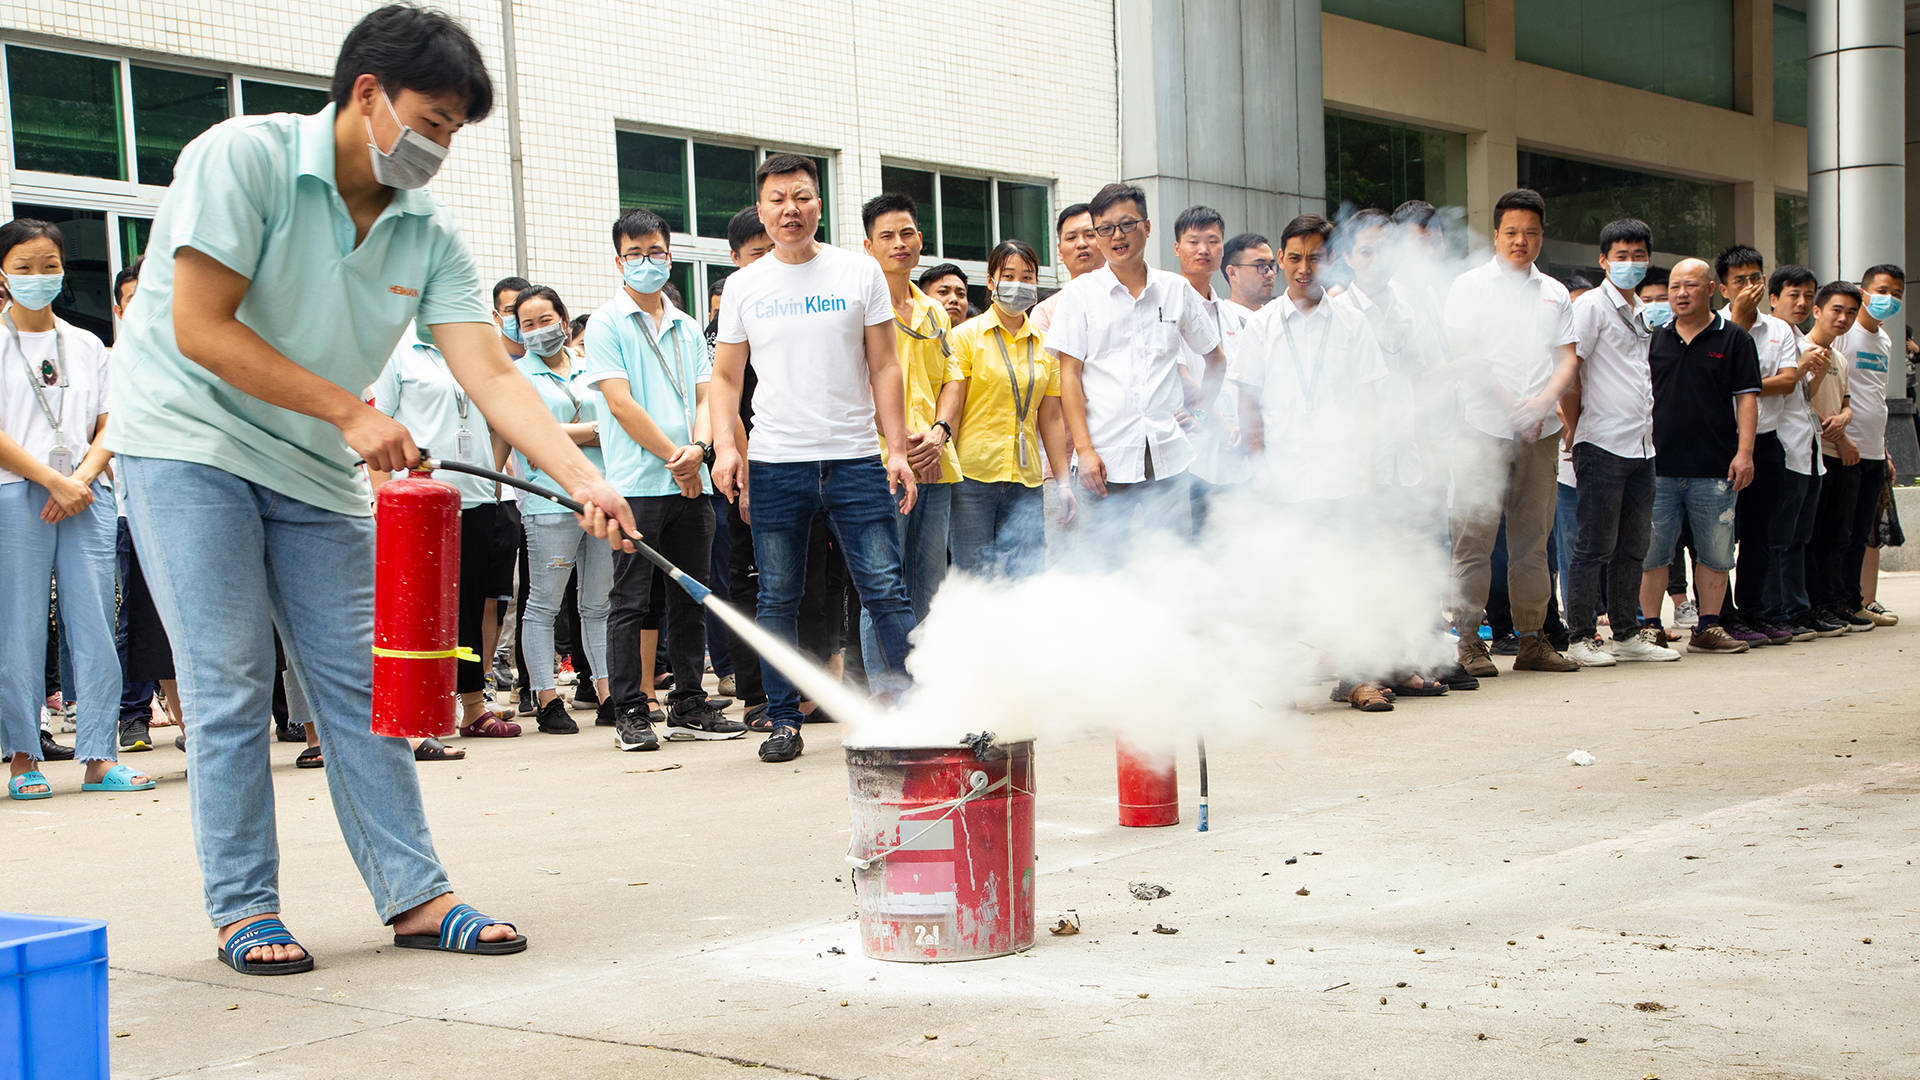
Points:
x=35 y=291
x=1882 y=307
x=1658 y=313
x=510 y=329
x=1626 y=274
x=643 y=275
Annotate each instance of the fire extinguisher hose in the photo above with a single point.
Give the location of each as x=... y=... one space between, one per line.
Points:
x=679 y=577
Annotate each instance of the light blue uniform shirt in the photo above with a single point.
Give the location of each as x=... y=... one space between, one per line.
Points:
x=621 y=345
x=572 y=400
x=417 y=389
x=256 y=194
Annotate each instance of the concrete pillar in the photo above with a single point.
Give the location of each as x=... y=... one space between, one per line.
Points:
x=1220 y=104
x=1856 y=162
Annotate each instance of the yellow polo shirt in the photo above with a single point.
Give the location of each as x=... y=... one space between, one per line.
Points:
x=991 y=425
x=922 y=344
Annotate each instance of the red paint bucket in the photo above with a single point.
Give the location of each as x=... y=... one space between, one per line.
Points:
x=942 y=850
x=1149 y=783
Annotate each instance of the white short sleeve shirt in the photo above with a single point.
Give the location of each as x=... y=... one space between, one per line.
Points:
x=1616 y=381
x=1504 y=327
x=76 y=402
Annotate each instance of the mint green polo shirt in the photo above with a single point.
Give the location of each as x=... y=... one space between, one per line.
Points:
x=256 y=194
x=616 y=349
x=418 y=389
x=572 y=400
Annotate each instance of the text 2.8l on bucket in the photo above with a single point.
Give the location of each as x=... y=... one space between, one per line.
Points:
x=943 y=850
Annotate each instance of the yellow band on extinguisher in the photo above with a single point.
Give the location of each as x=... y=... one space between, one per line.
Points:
x=460 y=653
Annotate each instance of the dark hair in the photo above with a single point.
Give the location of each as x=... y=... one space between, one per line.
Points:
x=1239 y=244
x=1577 y=281
x=639 y=222
x=890 y=203
x=1114 y=194
x=1624 y=230
x=1837 y=288
x=418 y=49
x=513 y=284
x=1356 y=223
x=126 y=276
x=579 y=325
x=780 y=165
x=1655 y=276
x=672 y=293
x=1519 y=199
x=939 y=270
x=20 y=230
x=1307 y=225
x=1416 y=212
x=1877 y=269
x=1071 y=212
x=541 y=292
x=743 y=227
x=1007 y=249
x=1197 y=217
x=716 y=287
x=1737 y=255
x=1789 y=275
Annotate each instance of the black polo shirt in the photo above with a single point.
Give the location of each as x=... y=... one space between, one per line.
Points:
x=1695 y=432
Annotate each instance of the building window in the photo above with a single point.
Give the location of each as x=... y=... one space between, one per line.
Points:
x=1789 y=65
x=1445 y=20
x=66 y=114
x=1682 y=50
x=1688 y=217
x=1374 y=165
x=697 y=186
x=170 y=109
x=965 y=216
x=258 y=98
x=1792 y=243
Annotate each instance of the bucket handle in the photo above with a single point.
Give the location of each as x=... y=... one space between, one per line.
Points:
x=977 y=787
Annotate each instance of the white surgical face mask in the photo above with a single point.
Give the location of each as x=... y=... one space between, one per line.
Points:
x=1016 y=296
x=412 y=161
x=546 y=340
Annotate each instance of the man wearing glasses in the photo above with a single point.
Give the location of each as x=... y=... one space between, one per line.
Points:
x=649 y=360
x=1251 y=272
x=1118 y=332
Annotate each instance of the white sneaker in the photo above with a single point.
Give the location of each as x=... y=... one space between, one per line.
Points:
x=1588 y=652
x=1686 y=614
x=1642 y=646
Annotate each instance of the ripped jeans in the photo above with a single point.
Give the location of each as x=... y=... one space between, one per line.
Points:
x=1707 y=504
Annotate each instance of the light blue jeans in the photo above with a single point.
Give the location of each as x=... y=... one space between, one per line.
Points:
x=999 y=529
x=923 y=551
x=81 y=552
x=557 y=549
x=227 y=562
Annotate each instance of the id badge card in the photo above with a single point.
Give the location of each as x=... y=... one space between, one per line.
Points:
x=60 y=460
x=464 y=445
x=1021 y=446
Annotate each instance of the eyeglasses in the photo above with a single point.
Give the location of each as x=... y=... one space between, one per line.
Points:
x=1123 y=227
x=657 y=258
x=1260 y=266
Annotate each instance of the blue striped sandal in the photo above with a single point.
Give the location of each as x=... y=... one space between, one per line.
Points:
x=460 y=933
x=252 y=936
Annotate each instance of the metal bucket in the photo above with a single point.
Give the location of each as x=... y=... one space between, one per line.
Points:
x=942 y=850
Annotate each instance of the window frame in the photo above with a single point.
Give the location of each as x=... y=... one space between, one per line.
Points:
x=976 y=269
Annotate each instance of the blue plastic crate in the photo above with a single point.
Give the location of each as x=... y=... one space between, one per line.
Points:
x=53 y=998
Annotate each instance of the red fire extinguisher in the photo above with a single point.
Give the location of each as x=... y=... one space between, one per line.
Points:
x=416 y=617
x=1149 y=782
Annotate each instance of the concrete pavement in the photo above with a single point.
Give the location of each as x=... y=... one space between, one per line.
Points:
x=1726 y=892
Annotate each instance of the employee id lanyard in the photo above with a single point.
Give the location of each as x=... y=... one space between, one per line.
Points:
x=1309 y=380
x=1022 y=404
x=1639 y=331
x=945 y=349
x=60 y=458
x=675 y=379
x=464 y=436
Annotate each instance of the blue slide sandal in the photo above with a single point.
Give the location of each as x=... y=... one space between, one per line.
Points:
x=119 y=778
x=26 y=780
x=252 y=936
x=460 y=933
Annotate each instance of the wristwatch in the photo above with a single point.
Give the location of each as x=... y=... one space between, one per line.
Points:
x=948 y=428
x=706 y=453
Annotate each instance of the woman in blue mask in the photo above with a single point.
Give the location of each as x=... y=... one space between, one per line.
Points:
x=554 y=548
x=56 y=517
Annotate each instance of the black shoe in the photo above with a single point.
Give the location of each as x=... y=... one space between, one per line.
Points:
x=1824 y=624
x=1560 y=640
x=526 y=702
x=696 y=718
x=784 y=744
x=1459 y=678
x=134 y=737
x=720 y=704
x=288 y=731
x=633 y=730
x=585 y=696
x=1856 y=622
x=53 y=751
x=603 y=714
x=1801 y=631
x=1509 y=645
x=180 y=742
x=554 y=719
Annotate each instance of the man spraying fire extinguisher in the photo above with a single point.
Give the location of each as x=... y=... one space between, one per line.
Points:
x=286 y=260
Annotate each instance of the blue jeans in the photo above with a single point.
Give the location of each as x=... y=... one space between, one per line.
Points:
x=228 y=562
x=136 y=698
x=556 y=551
x=783 y=498
x=1704 y=502
x=999 y=530
x=923 y=556
x=79 y=553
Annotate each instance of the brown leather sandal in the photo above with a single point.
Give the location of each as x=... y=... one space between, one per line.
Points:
x=1368 y=698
